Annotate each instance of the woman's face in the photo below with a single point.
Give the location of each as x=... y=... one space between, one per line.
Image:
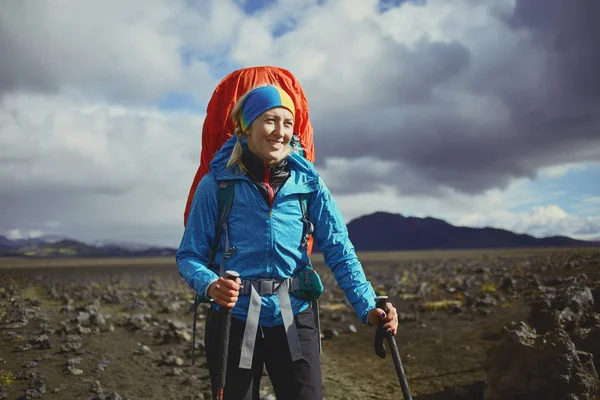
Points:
x=270 y=134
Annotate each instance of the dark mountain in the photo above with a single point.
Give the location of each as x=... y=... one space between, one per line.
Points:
x=6 y=244
x=391 y=232
x=64 y=247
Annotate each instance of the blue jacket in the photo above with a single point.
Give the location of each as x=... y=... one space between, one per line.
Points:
x=267 y=241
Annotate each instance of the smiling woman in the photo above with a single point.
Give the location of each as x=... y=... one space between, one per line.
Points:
x=255 y=266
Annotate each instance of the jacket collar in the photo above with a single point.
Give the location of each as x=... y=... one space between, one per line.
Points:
x=303 y=177
x=256 y=167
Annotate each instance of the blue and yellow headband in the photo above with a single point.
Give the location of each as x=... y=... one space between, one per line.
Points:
x=261 y=99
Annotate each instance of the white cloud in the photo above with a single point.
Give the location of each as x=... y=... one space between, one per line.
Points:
x=591 y=200
x=108 y=50
x=74 y=165
x=557 y=171
x=15 y=234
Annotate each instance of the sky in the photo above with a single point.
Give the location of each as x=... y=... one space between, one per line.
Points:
x=478 y=112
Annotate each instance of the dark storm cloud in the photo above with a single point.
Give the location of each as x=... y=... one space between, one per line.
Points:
x=569 y=31
x=542 y=87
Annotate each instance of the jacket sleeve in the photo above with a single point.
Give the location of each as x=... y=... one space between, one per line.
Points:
x=192 y=255
x=331 y=234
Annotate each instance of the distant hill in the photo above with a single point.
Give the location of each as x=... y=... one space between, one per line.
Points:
x=383 y=231
x=64 y=247
x=380 y=231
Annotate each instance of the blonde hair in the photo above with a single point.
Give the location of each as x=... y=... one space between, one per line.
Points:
x=235 y=160
x=236 y=155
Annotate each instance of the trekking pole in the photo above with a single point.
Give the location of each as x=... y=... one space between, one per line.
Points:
x=225 y=328
x=380 y=334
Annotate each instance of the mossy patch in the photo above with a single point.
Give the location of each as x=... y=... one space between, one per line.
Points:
x=6 y=377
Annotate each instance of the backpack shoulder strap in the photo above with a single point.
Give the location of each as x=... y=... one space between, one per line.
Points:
x=308 y=227
x=225 y=200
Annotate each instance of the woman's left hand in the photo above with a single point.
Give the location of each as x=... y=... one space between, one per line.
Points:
x=390 y=317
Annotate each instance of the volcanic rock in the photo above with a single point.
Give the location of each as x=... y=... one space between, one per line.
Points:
x=175 y=332
x=588 y=340
x=42 y=341
x=24 y=347
x=143 y=350
x=170 y=358
x=568 y=309
x=526 y=365
x=102 y=365
x=69 y=347
x=37 y=386
x=138 y=322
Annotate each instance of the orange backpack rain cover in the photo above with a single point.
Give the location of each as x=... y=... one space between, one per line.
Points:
x=218 y=126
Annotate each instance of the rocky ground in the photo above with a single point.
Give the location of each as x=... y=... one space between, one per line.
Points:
x=474 y=325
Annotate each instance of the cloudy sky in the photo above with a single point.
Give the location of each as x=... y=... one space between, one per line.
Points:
x=479 y=112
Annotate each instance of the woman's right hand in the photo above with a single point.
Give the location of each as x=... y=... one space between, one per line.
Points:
x=225 y=292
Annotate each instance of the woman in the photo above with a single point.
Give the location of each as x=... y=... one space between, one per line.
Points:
x=263 y=241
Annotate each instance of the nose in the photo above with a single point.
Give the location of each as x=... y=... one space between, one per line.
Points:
x=279 y=128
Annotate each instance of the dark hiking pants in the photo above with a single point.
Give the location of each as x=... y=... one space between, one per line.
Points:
x=299 y=380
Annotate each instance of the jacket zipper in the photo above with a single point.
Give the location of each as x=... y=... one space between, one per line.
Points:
x=267 y=182
x=271 y=192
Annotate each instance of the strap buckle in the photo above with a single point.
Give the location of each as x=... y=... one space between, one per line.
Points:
x=266 y=287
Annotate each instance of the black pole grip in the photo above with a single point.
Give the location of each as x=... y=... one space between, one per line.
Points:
x=381 y=302
x=380 y=335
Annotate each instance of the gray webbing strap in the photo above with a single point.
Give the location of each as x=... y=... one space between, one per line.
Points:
x=288 y=321
x=250 y=330
x=269 y=287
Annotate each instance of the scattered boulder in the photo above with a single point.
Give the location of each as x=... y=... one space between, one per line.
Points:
x=72 y=365
x=37 y=386
x=143 y=350
x=42 y=342
x=138 y=322
x=67 y=306
x=174 y=332
x=23 y=347
x=170 y=358
x=567 y=309
x=526 y=365
x=102 y=365
x=588 y=340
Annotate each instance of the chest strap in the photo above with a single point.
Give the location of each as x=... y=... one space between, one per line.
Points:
x=257 y=288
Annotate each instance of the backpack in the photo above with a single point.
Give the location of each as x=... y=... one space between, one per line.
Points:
x=218 y=128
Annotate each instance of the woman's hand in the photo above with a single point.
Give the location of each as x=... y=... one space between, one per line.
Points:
x=390 y=317
x=225 y=292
